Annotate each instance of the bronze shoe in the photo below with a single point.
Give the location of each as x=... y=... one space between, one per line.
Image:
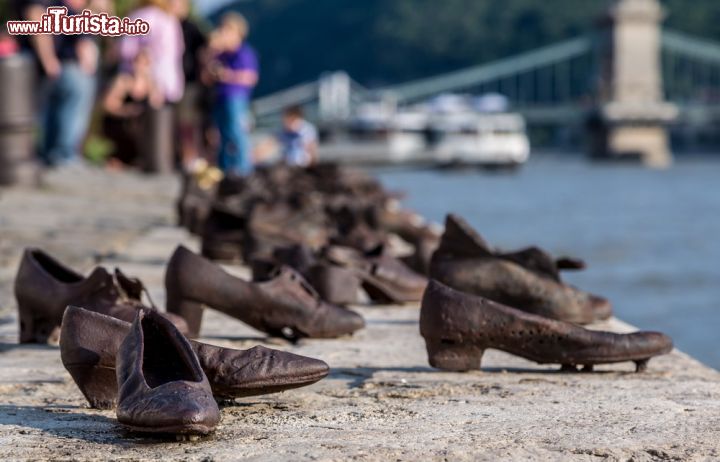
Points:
x=528 y=280
x=282 y=224
x=161 y=386
x=385 y=278
x=459 y=327
x=285 y=306
x=196 y=196
x=90 y=341
x=224 y=235
x=334 y=284
x=414 y=230
x=44 y=287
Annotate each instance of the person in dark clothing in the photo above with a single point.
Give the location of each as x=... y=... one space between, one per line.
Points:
x=67 y=65
x=126 y=107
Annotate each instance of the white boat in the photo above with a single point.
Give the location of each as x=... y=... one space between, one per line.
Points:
x=448 y=130
x=491 y=140
x=377 y=134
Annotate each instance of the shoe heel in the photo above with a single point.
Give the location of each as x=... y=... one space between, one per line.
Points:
x=334 y=284
x=97 y=383
x=453 y=356
x=189 y=310
x=33 y=329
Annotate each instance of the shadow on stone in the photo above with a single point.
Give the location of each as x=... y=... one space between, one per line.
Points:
x=4 y=347
x=61 y=421
x=361 y=374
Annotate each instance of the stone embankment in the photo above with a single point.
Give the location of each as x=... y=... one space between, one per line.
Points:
x=381 y=402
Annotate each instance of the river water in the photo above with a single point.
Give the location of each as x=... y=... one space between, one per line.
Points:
x=651 y=238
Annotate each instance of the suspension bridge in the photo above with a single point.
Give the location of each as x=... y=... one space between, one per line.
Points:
x=559 y=85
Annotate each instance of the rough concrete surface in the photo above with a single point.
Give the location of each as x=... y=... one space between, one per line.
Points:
x=381 y=402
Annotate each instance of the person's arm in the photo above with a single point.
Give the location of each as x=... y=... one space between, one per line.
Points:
x=312 y=150
x=248 y=78
x=114 y=101
x=43 y=44
x=88 y=55
x=156 y=96
x=246 y=75
x=311 y=144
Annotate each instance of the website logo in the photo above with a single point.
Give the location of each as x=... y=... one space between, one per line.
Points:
x=57 y=21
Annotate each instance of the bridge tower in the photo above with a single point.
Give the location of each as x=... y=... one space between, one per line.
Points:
x=632 y=115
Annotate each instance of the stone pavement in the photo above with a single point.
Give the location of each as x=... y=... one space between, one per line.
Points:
x=381 y=402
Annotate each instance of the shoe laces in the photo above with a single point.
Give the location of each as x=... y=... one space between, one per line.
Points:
x=115 y=285
x=299 y=280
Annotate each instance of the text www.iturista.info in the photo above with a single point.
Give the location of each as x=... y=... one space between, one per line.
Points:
x=57 y=21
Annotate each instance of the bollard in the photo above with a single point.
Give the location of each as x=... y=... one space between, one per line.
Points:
x=159 y=151
x=17 y=130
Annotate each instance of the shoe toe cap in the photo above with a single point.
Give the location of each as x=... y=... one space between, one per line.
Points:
x=174 y=407
x=655 y=343
x=348 y=321
x=276 y=367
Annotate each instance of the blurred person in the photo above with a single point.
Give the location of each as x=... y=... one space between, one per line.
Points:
x=190 y=111
x=67 y=65
x=233 y=69
x=164 y=44
x=297 y=141
x=126 y=103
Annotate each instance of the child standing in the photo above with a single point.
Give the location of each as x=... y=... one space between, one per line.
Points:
x=234 y=71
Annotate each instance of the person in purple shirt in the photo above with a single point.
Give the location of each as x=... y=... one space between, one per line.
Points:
x=234 y=71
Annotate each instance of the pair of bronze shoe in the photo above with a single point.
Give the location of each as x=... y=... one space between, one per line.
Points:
x=44 y=287
x=339 y=273
x=516 y=302
x=160 y=381
x=283 y=306
x=528 y=279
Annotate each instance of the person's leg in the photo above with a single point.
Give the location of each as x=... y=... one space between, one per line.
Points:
x=49 y=121
x=234 y=150
x=86 y=85
x=221 y=115
x=244 y=158
x=72 y=119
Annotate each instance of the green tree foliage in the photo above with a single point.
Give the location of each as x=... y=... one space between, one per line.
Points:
x=123 y=7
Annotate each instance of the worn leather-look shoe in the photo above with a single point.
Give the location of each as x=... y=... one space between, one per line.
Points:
x=333 y=283
x=282 y=224
x=161 y=386
x=285 y=306
x=44 y=287
x=413 y=229
x=90 y=341
x=385 y=278
x=527 y=280
x=458 y=327
x=198 y=189
x=224 y=235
